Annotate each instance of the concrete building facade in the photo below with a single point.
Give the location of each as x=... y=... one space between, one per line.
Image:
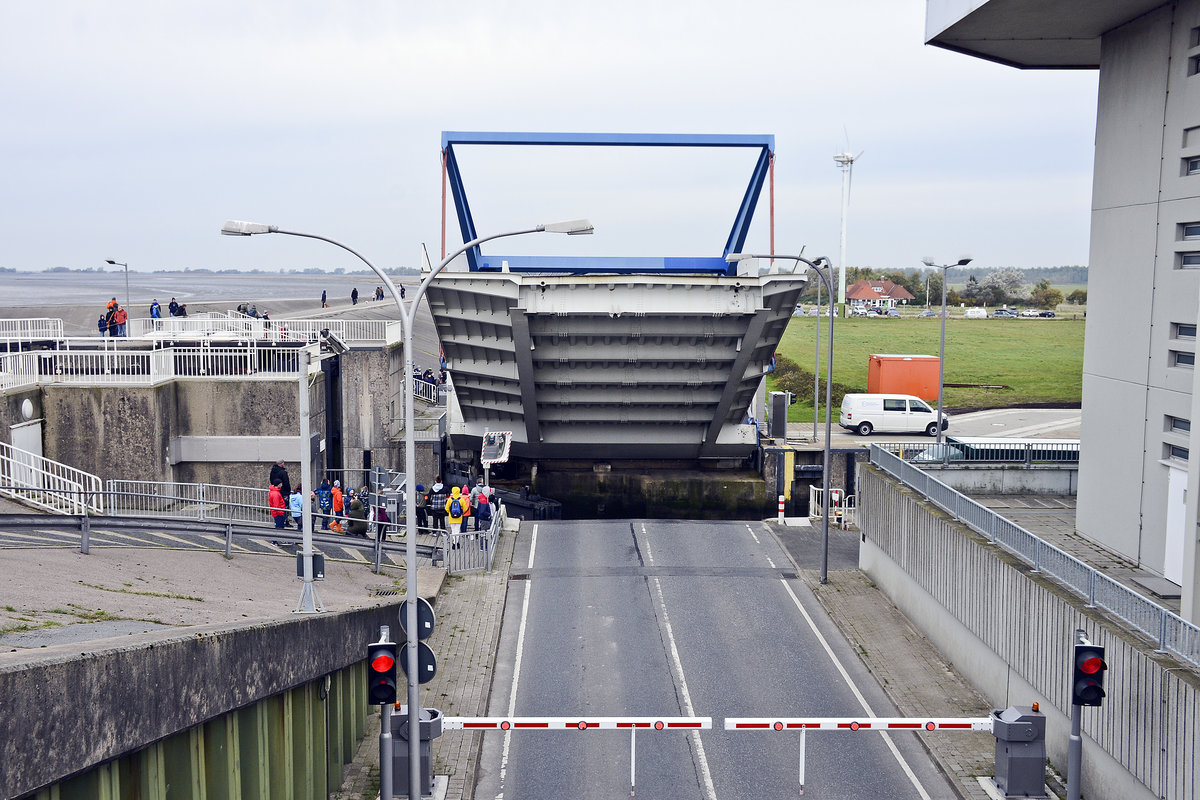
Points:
x=1139 y=485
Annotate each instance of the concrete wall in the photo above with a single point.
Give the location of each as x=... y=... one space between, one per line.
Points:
x=973 y=479
x=113 y=432
x=71 y=707
x=1136 y=291
x=1010 y=631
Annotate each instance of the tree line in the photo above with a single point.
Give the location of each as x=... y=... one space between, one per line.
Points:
x=990 y=287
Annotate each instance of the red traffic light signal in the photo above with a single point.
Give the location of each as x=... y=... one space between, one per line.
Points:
x=381 y=672
x=1087 y=684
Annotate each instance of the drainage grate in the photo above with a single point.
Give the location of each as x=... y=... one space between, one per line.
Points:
x=384 y=591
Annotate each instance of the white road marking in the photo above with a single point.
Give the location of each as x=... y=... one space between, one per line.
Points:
x=512 y=697
x=753 y=534
x=862 y=701
x=686 y=695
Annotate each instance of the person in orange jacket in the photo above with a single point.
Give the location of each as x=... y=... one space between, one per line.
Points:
x=339 y=506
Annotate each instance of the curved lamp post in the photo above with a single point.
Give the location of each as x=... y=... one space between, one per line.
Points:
x=407 y=316
x=126 y=266
x=962 y=262
x=827 y=279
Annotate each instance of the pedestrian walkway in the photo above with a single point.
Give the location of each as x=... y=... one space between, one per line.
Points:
x=465 y=638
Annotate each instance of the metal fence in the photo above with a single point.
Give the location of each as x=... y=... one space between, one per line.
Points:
x=31 y=328
x=140 y=367
x=199 y=501
x=48 y=484
x=473 y=551
x=352 y=331
x=1169 y=631
x=1000 y=451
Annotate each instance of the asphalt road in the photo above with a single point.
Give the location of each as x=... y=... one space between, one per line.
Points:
x=1014 y=423
x=671 y=618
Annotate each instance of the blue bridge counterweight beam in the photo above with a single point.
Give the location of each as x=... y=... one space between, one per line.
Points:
x=715 y=264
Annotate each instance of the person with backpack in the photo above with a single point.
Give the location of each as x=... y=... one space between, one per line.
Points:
x=437 y=503
x=325 y=502
x=422 y=507
x=456 y=507
x=483 y=513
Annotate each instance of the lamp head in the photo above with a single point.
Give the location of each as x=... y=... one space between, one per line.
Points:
x=962 y=262
x=574 y=227
x=733 y=258
x=236 y=227
x=927 y=261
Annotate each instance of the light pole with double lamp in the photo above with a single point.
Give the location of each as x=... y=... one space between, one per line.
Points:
x=407 y=316
x=826 y=278
x=962 y=262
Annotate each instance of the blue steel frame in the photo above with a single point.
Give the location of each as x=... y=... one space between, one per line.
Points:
x=610 y=264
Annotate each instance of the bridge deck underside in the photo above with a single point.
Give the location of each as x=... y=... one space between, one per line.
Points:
x=635 y=366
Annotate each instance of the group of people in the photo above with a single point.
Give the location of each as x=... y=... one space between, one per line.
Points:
x=343 y=512
x=378 y=294
x=440 y=507
x=450 y=508
x=115 y=319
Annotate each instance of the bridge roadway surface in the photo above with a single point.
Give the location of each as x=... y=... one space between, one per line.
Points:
x=596 y=645
x=676 y=618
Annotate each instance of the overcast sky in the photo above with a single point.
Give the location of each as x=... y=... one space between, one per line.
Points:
x=132 y=130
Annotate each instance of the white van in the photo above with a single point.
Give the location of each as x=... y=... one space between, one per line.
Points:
x=898 y=413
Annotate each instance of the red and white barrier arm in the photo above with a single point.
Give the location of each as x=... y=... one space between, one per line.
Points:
x=575 y=723
x=854 y=724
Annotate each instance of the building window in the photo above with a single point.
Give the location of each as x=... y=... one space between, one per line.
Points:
x=1189 y=230
x=1178 y=425
x=1191 y=136
x=1174 y=452
x=1194 y=65
x=1191 y=166
x=1183 y=330
x=1180 y=358
x=1189 y=260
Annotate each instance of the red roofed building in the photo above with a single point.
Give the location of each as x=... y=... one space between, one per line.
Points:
x=877 y=294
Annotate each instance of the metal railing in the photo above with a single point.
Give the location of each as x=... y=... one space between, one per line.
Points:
x=31 y=328
x=473 y=551
x=47 y=484
x=424 y=390
x=1168 y=630
x=133 y=367
x=1002 y=451
x=353 y=331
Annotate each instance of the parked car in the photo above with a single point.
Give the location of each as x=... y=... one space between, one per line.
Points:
x=1046 y=313
x=874 y=312
x=858 y=311
x=929 y=312
x=891 y=312
x=1004 y=313
x=888 y=412
x=1029 y=312
x=975 y=313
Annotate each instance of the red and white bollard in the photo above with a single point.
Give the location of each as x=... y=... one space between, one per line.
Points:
x=781 y=508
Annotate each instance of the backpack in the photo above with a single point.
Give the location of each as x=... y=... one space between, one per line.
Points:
x=455 y=507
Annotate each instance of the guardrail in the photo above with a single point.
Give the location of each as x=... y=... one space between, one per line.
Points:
x=31 y=328
x=48 y=484
x=18 y=371
x=139 y=367
x=1003 y=451
x=353 y=331
x=1168 y=630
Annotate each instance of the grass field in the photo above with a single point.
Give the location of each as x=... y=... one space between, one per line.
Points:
x=1041 y=360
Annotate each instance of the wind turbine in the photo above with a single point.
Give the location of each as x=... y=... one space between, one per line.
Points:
x=845 y=162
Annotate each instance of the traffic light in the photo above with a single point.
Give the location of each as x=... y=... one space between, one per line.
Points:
x=1087 y=684
x=381 y=672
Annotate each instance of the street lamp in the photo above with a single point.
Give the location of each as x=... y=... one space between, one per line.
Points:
x=126 y=266
x=927 y=261
x=407 y=316
x=827 y=279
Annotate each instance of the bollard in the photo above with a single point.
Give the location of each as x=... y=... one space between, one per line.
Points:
x=781 y=508
x=1020 y=733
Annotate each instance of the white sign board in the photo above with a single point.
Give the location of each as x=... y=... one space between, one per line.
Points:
x=496 y=445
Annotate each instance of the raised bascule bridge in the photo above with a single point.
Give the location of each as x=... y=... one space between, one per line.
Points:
x=642 y=363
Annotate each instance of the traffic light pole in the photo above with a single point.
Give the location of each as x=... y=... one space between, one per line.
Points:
x=1074 y=754
x=385 y=738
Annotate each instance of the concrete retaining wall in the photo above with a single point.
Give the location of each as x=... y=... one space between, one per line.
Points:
x=76 y=706
x=995 y=479
x=1010 y=631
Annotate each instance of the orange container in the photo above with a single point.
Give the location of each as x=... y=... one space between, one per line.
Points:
x=903 y=374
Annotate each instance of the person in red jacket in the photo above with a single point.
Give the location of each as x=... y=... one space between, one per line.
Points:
x=278 y=507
